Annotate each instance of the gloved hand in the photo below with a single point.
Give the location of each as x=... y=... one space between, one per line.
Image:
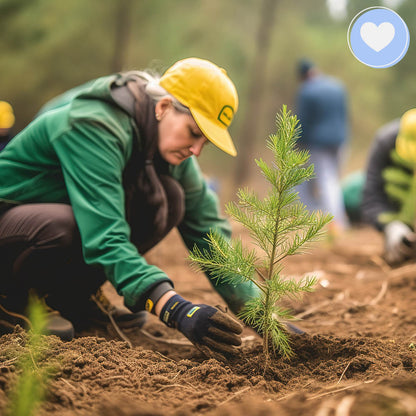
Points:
x=399 y=243
x=210 y=330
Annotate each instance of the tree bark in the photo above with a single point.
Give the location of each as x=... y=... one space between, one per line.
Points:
x=256 y=88
x=123 y=24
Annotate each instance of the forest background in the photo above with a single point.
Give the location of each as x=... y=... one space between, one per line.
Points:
x=48 y=46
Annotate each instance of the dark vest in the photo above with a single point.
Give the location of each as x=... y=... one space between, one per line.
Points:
x=154 y=201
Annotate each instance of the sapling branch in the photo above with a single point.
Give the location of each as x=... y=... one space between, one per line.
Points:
x=262 y=276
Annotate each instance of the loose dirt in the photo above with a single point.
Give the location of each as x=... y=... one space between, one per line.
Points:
x=358 y=356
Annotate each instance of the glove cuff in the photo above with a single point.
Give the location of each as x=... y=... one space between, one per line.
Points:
x=155 y=294
x=395 y=227
x=171 y=309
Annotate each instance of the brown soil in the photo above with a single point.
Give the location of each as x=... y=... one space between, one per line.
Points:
x=358 y=357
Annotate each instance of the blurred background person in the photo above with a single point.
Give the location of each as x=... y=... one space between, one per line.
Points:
x=352 y=190
x=389 y=196
x=321 y=106
x=6 y=123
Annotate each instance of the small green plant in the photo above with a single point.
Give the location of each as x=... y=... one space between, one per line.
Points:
x=28 y=392
x=280 y=226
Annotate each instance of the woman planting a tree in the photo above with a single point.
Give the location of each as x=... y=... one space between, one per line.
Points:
x=101 y=176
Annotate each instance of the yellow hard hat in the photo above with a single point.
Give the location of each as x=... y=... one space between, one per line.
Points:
x=406 y=138
x=6 y=115
x=209 y=94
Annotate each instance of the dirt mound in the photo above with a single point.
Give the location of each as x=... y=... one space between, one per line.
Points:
x=358 y=356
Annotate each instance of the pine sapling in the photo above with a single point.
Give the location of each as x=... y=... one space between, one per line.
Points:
x=280 y=225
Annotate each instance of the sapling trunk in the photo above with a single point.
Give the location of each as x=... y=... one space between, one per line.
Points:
x=281 y=226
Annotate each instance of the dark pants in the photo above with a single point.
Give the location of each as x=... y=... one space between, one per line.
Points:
x=40 y=249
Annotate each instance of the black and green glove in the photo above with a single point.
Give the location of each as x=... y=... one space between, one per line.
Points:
x=213 y=332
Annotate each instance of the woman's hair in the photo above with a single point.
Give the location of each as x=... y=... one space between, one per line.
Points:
x=156 y=92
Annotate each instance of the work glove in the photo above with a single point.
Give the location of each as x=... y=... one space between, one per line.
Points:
x=399 y=243
x=213 y=332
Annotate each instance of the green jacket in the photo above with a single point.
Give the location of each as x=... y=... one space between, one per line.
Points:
x=76 y=154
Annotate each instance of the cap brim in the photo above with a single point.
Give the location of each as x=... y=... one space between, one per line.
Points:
x=214 y=133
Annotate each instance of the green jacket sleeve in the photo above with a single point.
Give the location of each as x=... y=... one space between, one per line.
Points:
x=201 y=206
x=202 y=214
x=92 y=158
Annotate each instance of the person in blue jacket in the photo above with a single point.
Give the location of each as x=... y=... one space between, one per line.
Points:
x=321 y=106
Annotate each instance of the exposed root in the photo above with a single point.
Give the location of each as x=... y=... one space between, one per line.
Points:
x=380 y=295
x=326 y=408
x=344 y=406
x=234 y=395
x=408 y=271
x=351 y=386
x=112 y=320
x=5 y=364
x=380 y=262
x=16 y=315
x=340 y=297
x=165 y=340
x=345 y=370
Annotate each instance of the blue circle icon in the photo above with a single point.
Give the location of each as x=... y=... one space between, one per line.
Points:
x=378 y=37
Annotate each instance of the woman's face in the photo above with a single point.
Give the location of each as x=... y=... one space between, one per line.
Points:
x=179 y=135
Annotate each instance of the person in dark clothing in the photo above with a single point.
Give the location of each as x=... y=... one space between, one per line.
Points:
x=100 y=176
x=389 y=195
x=321 y=106
x=6 y=123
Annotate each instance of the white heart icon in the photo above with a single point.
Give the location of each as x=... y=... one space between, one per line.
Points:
x=377 y=37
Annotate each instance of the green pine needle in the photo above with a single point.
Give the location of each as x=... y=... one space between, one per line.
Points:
x=29 y=391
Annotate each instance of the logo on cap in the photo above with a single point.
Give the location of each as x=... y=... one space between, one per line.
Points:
x=226 y=115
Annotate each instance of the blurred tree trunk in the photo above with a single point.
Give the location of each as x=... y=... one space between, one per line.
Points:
x=256 y=87
x=122 y=14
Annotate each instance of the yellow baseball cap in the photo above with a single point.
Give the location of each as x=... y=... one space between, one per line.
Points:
x=406 y=138
x=209 y=94
x=6 y=115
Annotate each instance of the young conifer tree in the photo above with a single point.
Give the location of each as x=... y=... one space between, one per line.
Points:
x=280 y=225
